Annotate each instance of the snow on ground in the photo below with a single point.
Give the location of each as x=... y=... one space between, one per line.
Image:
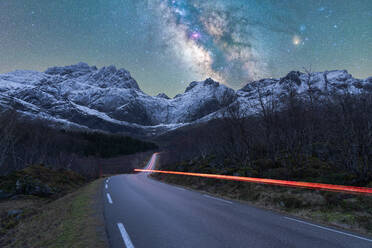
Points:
x=113 y=96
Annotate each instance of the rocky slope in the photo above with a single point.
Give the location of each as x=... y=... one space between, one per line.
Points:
x=110 y=99
x=315 y=85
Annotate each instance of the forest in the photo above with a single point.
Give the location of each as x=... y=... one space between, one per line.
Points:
x=25 y=142
x=314 y=136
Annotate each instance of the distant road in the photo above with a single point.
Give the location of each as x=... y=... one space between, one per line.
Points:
x=141 y=212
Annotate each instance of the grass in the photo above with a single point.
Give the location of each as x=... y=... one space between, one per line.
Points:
x=70 y=216
x=351 y=212
x=60 y=181
x=71 y=221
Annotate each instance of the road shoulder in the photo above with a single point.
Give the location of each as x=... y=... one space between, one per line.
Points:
x=75 y=220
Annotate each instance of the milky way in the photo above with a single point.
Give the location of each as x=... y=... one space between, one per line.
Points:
x=214 y=39
x=168 y=43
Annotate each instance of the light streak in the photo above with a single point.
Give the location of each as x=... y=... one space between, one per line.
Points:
x=151 y=163
x=318 y=186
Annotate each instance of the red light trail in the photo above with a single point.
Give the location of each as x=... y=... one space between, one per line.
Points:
x=318 y=186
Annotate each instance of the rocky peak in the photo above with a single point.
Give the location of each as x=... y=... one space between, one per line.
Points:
x=263 y=83
x=207 y=82
x=337 y=76
x=72 y=71
x=162 y=95
x=292 y=77
x=107 y=77
x=210 y=81
x=191 y=85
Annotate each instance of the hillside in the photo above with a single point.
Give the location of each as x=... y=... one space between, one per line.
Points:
x=84 y=97
x=50 y=208
x=25 y=142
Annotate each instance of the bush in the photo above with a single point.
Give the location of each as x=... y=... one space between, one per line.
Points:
x=289 y=202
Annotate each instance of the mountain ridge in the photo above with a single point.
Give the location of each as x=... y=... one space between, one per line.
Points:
x=110 y=99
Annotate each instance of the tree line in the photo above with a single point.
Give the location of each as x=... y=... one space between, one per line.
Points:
x=314 y=136
x=26 y=142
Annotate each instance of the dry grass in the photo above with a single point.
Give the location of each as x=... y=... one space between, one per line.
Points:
x=70 y=221
x=352 y=212
x=61 y=181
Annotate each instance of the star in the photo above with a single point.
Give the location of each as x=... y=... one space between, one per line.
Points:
x=296 y=40
x=231 y=41
x=321 y=9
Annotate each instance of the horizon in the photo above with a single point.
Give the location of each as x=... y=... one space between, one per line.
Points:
x=167 y=44
x=187 y=84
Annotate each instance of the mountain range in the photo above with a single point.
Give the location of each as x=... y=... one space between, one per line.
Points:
x=109 y=99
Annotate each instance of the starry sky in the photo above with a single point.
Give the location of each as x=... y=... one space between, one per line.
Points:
x=166 y=44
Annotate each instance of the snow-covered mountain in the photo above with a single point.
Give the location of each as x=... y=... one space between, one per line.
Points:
x=316 y=85
x=110 y=99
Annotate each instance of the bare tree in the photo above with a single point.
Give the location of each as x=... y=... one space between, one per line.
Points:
x=7 y=135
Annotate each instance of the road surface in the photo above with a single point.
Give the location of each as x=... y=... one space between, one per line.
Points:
x=141 y=212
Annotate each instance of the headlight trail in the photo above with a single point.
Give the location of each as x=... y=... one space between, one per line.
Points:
x=318 y=186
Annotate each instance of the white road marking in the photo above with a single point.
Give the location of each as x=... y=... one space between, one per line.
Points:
x=218 y=199
x=106 y=186
x=180 y=188
x=109 y=198
x=329 y=229
x=125 y=236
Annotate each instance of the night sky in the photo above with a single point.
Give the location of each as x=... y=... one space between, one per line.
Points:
x=166 y=44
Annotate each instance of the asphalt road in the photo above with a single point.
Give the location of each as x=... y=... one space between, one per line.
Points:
x=142 y=212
